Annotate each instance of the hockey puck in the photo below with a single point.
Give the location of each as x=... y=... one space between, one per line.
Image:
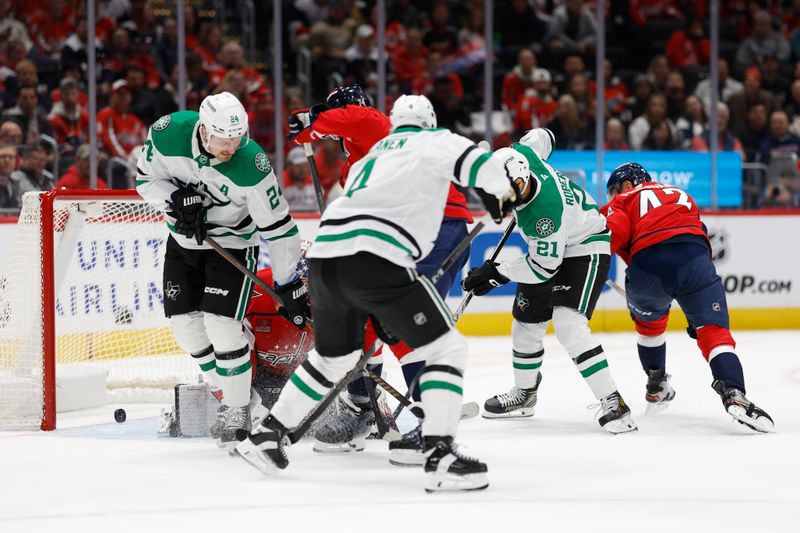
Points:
x=120 y=415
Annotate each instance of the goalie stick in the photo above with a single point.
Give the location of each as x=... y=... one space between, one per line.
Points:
x=495 y=253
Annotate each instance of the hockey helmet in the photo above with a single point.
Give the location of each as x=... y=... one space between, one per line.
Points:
x=413 y=110
x=540 y=140
x=633 y=172
x=516 y=166
x=225 y=121
x=348 y=95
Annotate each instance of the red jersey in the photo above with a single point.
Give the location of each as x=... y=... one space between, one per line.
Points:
x=119 y=133
x=72 y=180
x=360 y=128
x=648 y=214
x=74 y=129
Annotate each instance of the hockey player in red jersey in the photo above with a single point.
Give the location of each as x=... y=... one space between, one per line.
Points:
x=657 y=231
x=346 y=114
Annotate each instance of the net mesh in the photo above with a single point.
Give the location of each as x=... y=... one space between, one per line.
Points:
x=109 y=308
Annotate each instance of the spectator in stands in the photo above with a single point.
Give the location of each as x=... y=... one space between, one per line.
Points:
x=123 y=54
x=69 y=123
x=209 y=46
x=196 y=76
x=433 y=70
x=440 y=37
x=570 y=132
x=73 y=52
x=361 y=58
x=781 y=194
x=31 y=175
x=113 y=9
x=780 y=140
x=615 y=135
x=298 y=189
x=144 y=103
x=792 y=107
x=78 y=175
x=26 y=73
x=658 y=72
x=643 y=11
x=408 y=59
x=660 y=137
x=519 y=79
x=637 y=102
x=28 y=114
x=235 y=83
x=693 y=121
x=167 y=47
x=537 y=107
x=689 y=46
x=232 y=58
x=449 y=108
x=328 y=41
x=74 y=73
x=12 y=29
x=727 y=140
x=655 y=112
x=471 y=49
x=752 y=93
x=571 y=29
x=519 y=26
x=578 y=88
x=773 y=81
x=616 y=93
x=8 y=162
x=755 y=131
x=573 y=64
x=402 y=11
x=118 y=130
x=10 y=132
x=50 y=27
x=727 y=86
x=763 y=42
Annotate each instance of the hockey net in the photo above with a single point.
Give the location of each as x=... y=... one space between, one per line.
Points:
x=80 y=304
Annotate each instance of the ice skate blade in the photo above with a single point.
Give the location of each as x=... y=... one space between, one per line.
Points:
x=255 y=457
x=623 y=425
x=406 y=458
x=656 y=407
x=355 y=445
x=447 y=482
x=525 y=412
x=761 y=424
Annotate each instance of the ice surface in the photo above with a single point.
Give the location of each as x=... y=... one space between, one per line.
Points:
x=688 y=469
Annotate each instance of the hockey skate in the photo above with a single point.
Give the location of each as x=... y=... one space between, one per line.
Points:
x=448 y=470
x=407 y=451
x=215 y=430
x=265 y=448
x=614 y=414
x=516 y=403
x=237 y=421
x=257 y=413
x=659 y=391
x=743 y=410
x=348 y=431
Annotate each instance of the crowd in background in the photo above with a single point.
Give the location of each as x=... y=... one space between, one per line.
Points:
x=656 y=76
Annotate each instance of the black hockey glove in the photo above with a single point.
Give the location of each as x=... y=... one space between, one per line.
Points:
x=189 y=213
x=498 y=208
x=483 y=279
x=297 y=123
x=296 y=308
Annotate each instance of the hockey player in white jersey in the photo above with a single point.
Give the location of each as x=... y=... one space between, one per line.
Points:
x=560 y=278
x=209 y=179
x=362 y=264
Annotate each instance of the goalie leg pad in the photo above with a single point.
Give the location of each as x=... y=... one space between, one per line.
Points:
x=572 y=331
x=528 y=352
x=309 y=384
x=442 y=383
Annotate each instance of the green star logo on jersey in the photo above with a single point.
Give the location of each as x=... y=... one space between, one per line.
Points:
x=262 y=162
x=162 y=123
x=545 y=227
x=202 y=160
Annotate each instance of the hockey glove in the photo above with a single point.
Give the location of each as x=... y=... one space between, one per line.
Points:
x=483 y=279
x=498 y=208
x=296 y=308
x=298 y=121
x=187 y=209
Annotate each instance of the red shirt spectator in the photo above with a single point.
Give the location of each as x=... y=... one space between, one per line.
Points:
x=77 y=176
x=119 y=130
x=409 y=58
x=424 y=83
x=50 y=27
x=643 y=11
x=123 y=54
x=70 y=123
x=689 y=47
x=519 y=79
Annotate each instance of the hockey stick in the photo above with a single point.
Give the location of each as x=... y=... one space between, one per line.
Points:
x=312 y=165
x=250 y=275
x=611 y=283
x=495 y=253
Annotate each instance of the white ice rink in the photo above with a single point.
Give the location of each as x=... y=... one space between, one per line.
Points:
x=687 y=469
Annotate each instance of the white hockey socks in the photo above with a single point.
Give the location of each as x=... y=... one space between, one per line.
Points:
x=234 y=375
x=572 y=331
x=528 y=352
x=207 y=363
x=442 y=383
x=309 y=384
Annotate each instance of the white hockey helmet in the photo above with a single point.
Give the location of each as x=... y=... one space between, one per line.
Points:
x=540 y=140
x=413 y=110
x=224 y=119
x=516 y=165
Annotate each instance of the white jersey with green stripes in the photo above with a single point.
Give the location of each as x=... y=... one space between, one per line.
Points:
x=244 y=196
x=395 y=195
x=561 y=220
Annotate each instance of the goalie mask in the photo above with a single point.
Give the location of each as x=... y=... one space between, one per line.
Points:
x=540 y=140
x=225 y=122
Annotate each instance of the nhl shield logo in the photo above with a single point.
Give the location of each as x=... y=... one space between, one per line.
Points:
x=522 y=302
x=545 y=226
x=262 y=162
x=162 y=123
